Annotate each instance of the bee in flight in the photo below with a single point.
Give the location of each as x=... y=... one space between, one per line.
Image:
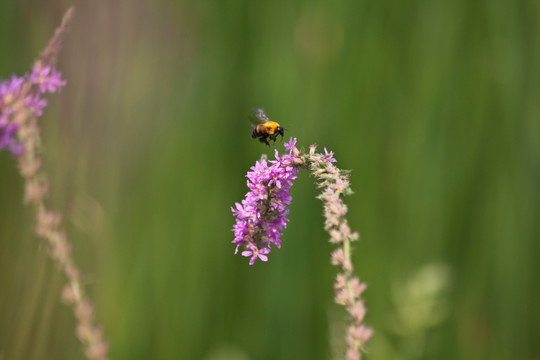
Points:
x=265 y=129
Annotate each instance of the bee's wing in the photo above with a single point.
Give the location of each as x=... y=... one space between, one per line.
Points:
x=258 y=116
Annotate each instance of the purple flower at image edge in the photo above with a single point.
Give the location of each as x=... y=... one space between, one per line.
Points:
x=36 y=103
x=10 y=87
x=8 y=90
x=7 y=139
x=47 y=78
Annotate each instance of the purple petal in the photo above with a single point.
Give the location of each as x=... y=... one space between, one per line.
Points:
x=252 y=260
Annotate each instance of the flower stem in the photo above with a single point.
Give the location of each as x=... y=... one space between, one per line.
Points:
x=348 y=288
x=47 y=222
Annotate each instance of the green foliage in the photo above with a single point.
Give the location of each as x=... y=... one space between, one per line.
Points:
x=433 y=105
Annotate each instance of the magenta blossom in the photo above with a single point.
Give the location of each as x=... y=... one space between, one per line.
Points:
x=47 y=78
x=256 y=253
x=42 y=80
x=10 y=87
x=262 y=215
x=7 y=140
x=329 y=156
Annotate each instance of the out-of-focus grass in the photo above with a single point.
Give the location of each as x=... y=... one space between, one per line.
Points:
x=434 y=105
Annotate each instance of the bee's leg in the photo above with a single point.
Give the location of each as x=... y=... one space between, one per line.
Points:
x=263 y=140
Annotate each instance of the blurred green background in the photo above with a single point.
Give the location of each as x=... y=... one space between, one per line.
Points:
x=434 y=105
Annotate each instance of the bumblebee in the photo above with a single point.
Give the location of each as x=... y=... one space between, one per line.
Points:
x=265 y=129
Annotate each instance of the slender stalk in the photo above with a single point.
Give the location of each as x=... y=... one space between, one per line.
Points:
x=348 y=288
x=21 y=108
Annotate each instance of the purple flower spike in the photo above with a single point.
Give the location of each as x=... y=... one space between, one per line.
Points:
x=13 y=91
x=262 y=215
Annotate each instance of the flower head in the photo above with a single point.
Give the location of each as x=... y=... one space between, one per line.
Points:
x=329 y=156
x=256 y=253
x=36 y=103
x=10 y=87
x=262 y=215
x=13 y=93
x=290 y=145
x=7 y=139
x=47 y=78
